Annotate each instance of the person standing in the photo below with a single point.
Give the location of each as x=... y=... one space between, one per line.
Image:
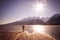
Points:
x=23 y=28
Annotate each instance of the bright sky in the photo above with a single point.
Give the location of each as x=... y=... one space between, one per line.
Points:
x=14 y=10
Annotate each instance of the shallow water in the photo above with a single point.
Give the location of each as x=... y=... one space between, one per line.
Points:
x=53 y=30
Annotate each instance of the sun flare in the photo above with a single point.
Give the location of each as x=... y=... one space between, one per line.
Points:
x=38 y=7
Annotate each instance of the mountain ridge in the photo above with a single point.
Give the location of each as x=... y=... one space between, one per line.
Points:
x=54 y=20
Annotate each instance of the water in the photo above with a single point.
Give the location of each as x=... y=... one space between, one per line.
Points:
x=53 y=30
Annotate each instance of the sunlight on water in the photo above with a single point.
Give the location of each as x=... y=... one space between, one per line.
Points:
x=38 y=28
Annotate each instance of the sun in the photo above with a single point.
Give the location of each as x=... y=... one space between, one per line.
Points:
x=38 y=28
x=38 y=7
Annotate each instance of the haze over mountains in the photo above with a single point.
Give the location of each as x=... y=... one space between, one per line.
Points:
x=55 y=20
x=28 y=21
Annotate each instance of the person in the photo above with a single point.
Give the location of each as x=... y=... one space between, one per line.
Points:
x=23 y=28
